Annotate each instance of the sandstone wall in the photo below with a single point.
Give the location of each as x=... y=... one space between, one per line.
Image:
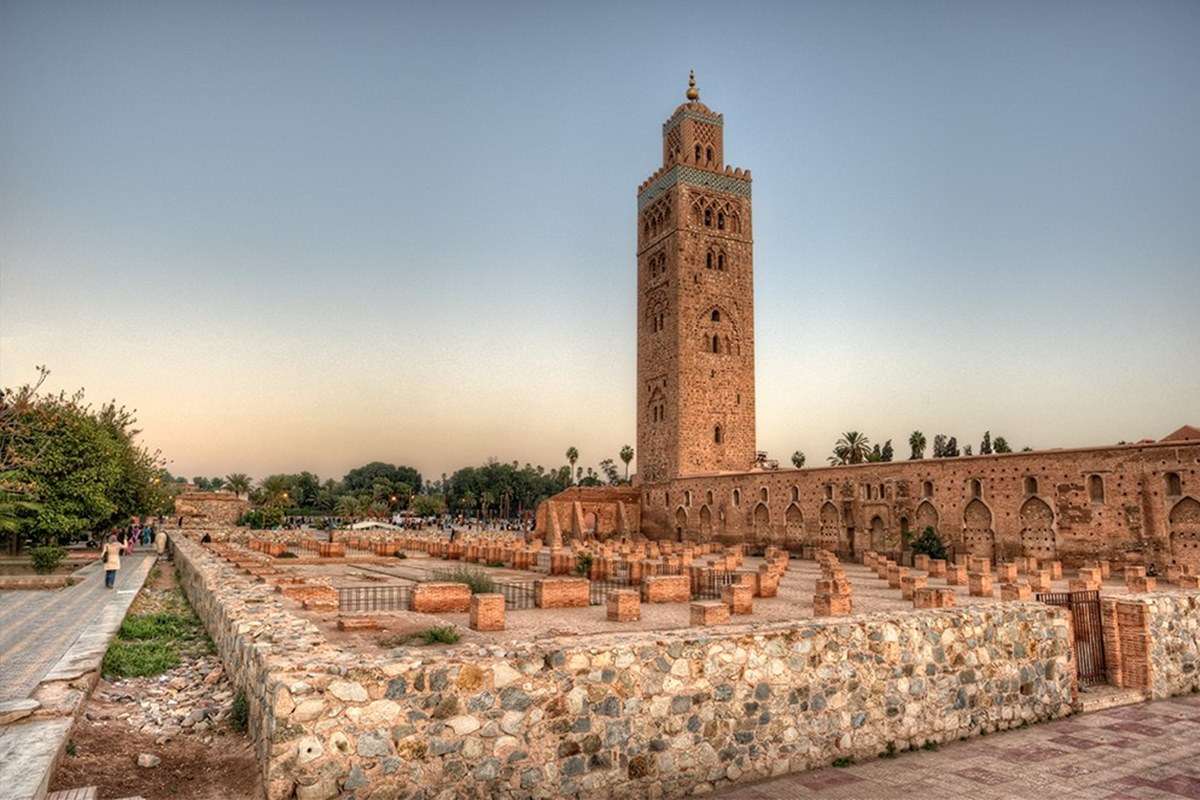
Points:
x=1072 y=505
x=630 y=715
x=212 y=508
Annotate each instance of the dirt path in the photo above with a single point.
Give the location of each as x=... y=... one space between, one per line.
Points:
x=181 y=717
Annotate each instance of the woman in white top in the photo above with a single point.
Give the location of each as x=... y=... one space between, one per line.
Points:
x=112 y=560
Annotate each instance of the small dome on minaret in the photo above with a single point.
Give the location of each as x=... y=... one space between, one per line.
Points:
x=693 y=93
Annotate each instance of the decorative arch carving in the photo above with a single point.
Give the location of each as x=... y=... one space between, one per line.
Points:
x=1037 y=529
x=762 y=523
x=793 y=520
x=927 y=517
x=1184 y=523
x=978 y=537
x=831 y=527
x=706 y=527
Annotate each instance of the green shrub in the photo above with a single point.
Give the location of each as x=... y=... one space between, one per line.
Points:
x=480 y=582
x=890 y=751
x=138 y=659
x=583 y=564
x=46 y=559
x=260 y=518
x=495 y=563
x=239 y=714
x=443 y=634
x=929 y=745
x=844 y=761
x=160 y=626
x=287 y=554
x=930 y=544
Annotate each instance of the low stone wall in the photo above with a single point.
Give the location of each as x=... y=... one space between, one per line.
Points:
x=619 y=715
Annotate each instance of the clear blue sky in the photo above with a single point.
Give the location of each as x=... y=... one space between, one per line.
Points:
x=309 y=235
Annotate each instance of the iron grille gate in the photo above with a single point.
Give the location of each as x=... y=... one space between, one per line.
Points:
x=373 y=598
x=1090 y=664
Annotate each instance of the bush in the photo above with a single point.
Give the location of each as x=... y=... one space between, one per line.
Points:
x=583 y=564
x=444 y=634
x=930 y=544
x=480 y=583
x=239 y=714
x=287 y=554
x=495 y=564
x=138 y=659
x=46 y=559
x=261 y=518
x=160 y=626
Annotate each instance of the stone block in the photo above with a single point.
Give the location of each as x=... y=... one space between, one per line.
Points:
x=1090 y=575
x=980 y=584
x=933 y=598
x=1188 y=582
x=921 y=562
x=1139 y=584
x=1039 y=581
x=1016 y=591
x=739 y=598
x=358 y=624
x=894 y=575
x=832 y=605
x=487 y=612
x=937 y=567
x=331 y=549
x=440 y=598
x=979 y=564
x=1077 y=585
x=910 y=583
x=623 y=605
x=1055 y=568
x=956 y=575
x=666 y=589
x=562 y=592
x=708 y=612
x=1006 y=572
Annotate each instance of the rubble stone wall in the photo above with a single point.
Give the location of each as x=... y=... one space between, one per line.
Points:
x=618 y=715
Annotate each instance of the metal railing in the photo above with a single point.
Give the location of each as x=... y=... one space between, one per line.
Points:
x=373 y=598
x=518 y=595
x=709 y=586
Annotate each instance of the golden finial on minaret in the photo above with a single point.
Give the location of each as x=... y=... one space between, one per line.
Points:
x=692 y=92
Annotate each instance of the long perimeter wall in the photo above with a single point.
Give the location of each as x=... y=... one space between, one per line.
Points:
x=1072 y=505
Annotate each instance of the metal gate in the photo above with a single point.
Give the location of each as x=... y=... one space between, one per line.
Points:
x=1090 y=665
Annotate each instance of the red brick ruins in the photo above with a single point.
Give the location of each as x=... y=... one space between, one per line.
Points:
x=696 y=479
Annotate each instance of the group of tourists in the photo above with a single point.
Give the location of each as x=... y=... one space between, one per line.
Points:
x=121 y=542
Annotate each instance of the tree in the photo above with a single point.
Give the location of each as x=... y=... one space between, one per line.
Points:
x=610 y=471
x=238 y=483
x=930 y=544
x=362 y=479
x=951 y=449
x=216 y=484
x=985 y=446
x=876 y=454
x=887 y=454
x=349 y=506
x=428 y=505
x=1001 y=445
x=626 y=456
x=966 y=450
x=939 y=446
x=572 y=456
x=798 y=459
x=852 y=448
x=917 y=442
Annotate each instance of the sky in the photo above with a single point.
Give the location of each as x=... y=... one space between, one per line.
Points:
x=311 y=235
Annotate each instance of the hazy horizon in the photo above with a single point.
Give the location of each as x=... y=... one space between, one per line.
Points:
x=299 y=236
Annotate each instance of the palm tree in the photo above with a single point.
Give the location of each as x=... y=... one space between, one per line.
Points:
x=348 y=506
x=216 y=484
x=238 y=483
x=798 y=459
x=917 y=442
x=572 y=456
x=852 y=448
x=626 y=456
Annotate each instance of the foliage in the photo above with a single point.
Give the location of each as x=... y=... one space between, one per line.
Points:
x=917 y=442
x=626 y=455
x=479 y=582
x=852 y=448
x=572 y=457
x=137 y=659
x=610 y=471
x=939 y=445
x=47 y=558
x=951 y=449
x=583 y=564
x=887 y=454
x=429 y=505
x=503 y=487
x=930 y=544
x=985 y=445
x=161 y=625
x=262 y=518
x=1000 y=445
x=239 y=714
x=367 y=478
x=67 y=468
x=238 y=483
x=798 y=459
x=442 y=634
x=843 y=761
x=966 y=450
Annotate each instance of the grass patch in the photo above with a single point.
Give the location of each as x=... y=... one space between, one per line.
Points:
x=160 y=626
x=239 y=714
x=126 y=659
x=843 y=761
x=443 y=634
x=495 y=564
x=479 y=582
x=930 y=745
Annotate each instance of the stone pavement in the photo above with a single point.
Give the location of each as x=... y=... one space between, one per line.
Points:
x=38 y=627
x=1139 y=752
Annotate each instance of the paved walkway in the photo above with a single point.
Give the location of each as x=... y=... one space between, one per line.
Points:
x=38 y=627
x=1150 y=750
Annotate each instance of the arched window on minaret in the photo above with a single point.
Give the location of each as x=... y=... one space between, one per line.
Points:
x=716 y=315
x=708 y=260
x=717 y=435
x=716 y=343
x=720 y=262
x=720 y=221
x=708 y=155
x=697 y=154
x=708 y=217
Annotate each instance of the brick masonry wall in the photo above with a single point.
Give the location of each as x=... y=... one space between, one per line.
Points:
x=868 y=506
x=1152 y=642
x=620 y=714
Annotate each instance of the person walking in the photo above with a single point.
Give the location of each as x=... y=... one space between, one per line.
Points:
x=160 y=540
x=112 y=561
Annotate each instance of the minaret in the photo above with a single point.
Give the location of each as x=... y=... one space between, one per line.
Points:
x=695 y=304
